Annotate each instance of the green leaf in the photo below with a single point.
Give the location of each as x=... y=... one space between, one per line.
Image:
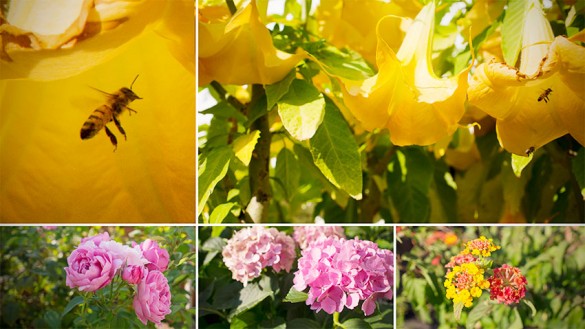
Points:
x=52 y=319
x=220 y=212
x=252 y=295
x=409 y=178
x=223 y=110
x=274 y=92
x=457 y=309
x=72 y=303
x=335 y=152
x=512 y=30
x=477 y=313
x=303 y=323
x=295 y=296
x=356 y=324
x=243 y=146
x=517 y=323
x=301 y=109
x=520 y=162
x=344 y=64
x=532 y=308
x=211 y=170
x=288 y=171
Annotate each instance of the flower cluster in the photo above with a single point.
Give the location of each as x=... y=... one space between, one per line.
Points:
x=98 y=259
x=480 y=247
x=465 y=282
x=305 y=235
x=465 y=278
x=340 y=273
x=252 y=249
x=508 y=285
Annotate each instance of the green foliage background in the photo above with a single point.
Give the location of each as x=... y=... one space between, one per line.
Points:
x=33 y=293
x=551 y=258
x=226 y=303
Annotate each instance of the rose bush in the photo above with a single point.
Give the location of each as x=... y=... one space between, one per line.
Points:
x=40 y=293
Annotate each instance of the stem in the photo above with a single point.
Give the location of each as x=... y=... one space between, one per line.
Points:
x=258 y=170
x=224 y=95
x=336 y=323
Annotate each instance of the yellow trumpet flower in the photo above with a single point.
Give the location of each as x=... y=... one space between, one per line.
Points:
x=406 y=96
x=541 y=100
x=239 y=50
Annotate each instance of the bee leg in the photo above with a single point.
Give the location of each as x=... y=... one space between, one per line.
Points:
x=117 y=122
x=113 y=138
x=130 y=110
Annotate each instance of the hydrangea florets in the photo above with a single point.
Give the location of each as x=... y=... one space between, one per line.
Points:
x=305 y=235
x=252 y=249
x=507 y=285
x=340 y=273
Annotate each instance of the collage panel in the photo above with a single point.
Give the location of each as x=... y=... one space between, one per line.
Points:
x=295 y=277
x=490 y=277
x=402 y=111
x=97 y=110
x=97 y=277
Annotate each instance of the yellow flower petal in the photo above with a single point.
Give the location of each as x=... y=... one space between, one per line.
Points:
x=50 y=175
x=350 y=23
x=241 y=51
x=405 y=96
x=53 y=64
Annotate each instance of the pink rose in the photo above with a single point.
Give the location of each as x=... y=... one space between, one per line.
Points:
x=153 y=298
x=91 y=267
x=158 y=257
x=133 y=274
x=97 y=239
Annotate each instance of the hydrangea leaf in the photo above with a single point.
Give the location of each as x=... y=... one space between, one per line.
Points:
x=335 y=153
x=512 y=30
x=356 y=324
x=302 y=109
x=252 y=294
x=211 y=170
x=243 y=146
x=295 y=296
x=288 y=171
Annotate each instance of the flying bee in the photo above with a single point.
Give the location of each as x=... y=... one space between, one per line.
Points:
x=544 y=95
x=110 y=111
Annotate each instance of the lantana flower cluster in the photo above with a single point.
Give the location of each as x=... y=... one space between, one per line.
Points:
x=340 y=273
x=465 y=278
x=94 y=264
x=251 y=250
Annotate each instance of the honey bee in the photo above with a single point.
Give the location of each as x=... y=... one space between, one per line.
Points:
x=110 y=111
x=544 y=95
x=529 y=151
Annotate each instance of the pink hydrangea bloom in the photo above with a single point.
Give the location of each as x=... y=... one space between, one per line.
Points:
x=340 y=273
x=252 y=249
x=152 y=301
x=91 y=267
x=305 y=235
x=158 y=257
x=507 y=285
